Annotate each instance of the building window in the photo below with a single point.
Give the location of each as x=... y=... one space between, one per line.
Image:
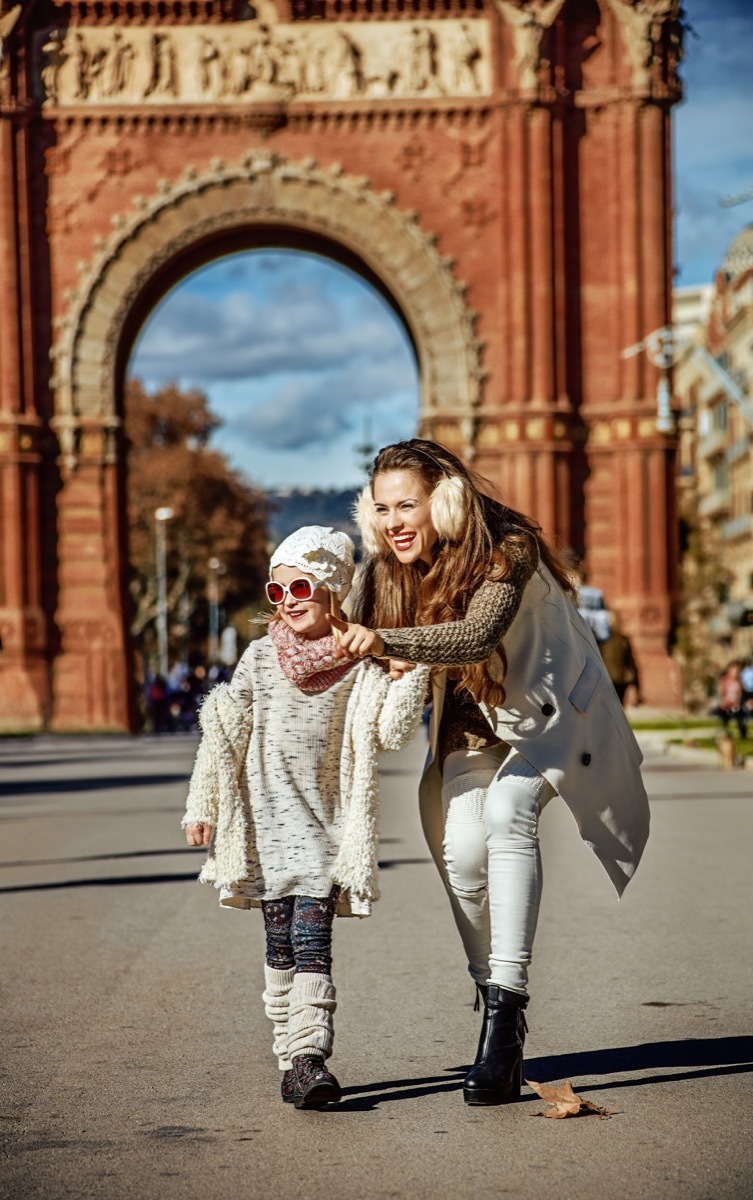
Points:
x=719 y=416
x=720 y=476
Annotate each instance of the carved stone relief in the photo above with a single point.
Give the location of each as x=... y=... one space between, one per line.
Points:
x=528 y=20
x=266 y=190
x=256 y=60
x=641 y=27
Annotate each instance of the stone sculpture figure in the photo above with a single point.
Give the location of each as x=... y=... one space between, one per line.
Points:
x=467 y=60
x=290 y=66
x=7 y=23
x=55 y=56
x=240 y=70
x=315 y=68
x=97 y=67
x=164 y=78
x=212 y=68
x=422 y=61
x=263 y=58
x=120 y=65
x=82 y=60
x=641 y=28
x=529 y=19
x=349 y=67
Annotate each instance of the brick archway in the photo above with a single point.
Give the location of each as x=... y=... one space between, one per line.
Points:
x=94 y=337
x=388 y=244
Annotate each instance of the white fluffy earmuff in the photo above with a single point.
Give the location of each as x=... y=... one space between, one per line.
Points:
x=364 y=512
x=448 y=508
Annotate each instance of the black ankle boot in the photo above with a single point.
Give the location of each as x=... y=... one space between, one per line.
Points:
x=496 y=1076
x=315 y=1086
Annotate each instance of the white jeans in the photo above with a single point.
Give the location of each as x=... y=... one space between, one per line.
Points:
x=487 y=849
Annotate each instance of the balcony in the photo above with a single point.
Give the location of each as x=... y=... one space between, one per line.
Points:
x=716 y=504
x=714 y=443
x=738 y=449
x=738 y=527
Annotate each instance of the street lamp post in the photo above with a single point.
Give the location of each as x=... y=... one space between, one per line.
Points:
x=216 y=568
x=660 y=348
x=161 y=517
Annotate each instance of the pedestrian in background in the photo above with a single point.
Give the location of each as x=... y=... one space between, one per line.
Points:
x=523 y=708
x=730 y=704
x=618 y=659
x=284 y=791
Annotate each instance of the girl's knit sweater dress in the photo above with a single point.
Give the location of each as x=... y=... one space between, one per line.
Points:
x=288 y=780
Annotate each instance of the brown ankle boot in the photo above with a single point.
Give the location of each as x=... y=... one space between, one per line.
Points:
x=314 y=1085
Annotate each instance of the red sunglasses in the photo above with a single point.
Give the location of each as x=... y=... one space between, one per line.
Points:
x=297 y=589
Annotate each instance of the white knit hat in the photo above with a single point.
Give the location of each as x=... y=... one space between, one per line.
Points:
x=318 y=550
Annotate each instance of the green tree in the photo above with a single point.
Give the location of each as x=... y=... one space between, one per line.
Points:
x=217 y=515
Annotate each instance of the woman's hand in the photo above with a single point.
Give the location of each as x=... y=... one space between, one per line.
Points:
x=399 y=667
x=198 y=833
x=355 y=641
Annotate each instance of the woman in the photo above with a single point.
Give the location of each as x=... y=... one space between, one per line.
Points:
x=523 y=709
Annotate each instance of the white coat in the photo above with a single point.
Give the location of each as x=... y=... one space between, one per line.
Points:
x=562 y=713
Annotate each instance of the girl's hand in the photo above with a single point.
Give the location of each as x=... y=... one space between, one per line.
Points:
x=198 y=833
x=355 y=641
x=399 y=667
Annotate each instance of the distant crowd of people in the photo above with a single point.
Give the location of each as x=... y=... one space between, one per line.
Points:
x=172 y=702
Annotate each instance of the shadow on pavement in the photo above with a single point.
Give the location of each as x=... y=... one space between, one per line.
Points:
x=398 y=1089
x=123 y=880
x=716 y=1057
x=42 y=787
x=729 y=1052
x=55 y=862
x=112 y=881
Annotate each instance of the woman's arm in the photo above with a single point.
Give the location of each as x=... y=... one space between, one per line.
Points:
x=474 y=637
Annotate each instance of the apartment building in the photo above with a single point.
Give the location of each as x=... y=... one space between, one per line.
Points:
x=713 y=386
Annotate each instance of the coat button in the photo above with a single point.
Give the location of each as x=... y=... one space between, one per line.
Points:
x=585 y=759
x=547 y=709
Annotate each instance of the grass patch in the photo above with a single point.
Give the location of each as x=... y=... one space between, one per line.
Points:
x=646 y=726
x=744 y=745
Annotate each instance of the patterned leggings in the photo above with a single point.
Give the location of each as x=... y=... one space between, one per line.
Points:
x=299 y=932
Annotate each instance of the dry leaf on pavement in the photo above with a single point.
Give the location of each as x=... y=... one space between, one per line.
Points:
x=564 y=1101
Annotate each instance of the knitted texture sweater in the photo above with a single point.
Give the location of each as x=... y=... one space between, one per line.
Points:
x=372 y=713
x=490 y=612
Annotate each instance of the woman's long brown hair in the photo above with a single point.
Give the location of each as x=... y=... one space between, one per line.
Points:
x=396 y=595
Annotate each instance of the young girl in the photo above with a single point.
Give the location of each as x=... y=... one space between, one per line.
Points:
x=284 y=791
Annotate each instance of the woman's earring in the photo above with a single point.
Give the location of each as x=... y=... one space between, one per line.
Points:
x=448 y=508
x=364 y=512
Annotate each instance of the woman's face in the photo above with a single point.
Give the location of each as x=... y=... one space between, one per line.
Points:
x=307 y=617
x=401 y=499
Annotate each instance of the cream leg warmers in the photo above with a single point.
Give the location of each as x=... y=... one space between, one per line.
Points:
x=276 y=997
x=310 y=1019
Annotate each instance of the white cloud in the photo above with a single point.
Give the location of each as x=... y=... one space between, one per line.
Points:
x=296 y=356
x=297 y=327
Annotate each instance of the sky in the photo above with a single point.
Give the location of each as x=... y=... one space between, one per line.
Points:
x=303 y=361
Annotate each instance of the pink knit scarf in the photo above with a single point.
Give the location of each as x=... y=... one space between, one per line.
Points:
x=309 y=663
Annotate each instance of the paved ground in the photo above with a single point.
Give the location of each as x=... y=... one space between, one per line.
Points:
x=137 y=1060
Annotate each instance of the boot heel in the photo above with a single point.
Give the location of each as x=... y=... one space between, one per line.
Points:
x=517 y=1080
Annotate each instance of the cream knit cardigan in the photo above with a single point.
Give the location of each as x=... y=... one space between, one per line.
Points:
x=381 y=714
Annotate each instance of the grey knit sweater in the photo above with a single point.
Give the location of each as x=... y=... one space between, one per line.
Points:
x=473 y=639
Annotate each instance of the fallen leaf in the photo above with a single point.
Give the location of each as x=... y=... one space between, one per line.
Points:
x=564 y=1101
